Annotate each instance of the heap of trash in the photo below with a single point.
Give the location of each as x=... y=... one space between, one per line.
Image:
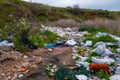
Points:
x=93 y=60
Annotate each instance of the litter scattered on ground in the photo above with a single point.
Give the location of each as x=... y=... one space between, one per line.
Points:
x=81 y=77
x=115 y=77
x=118 y=50
x=105 y=60
x=88 y=43
x=61 y=50
x=86 y=67
x=117 y=70
x=101 y=34
x=71 y=42
x=14 y=64
x=6 y=46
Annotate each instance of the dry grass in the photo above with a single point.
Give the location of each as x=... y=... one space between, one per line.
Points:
x=112 y=25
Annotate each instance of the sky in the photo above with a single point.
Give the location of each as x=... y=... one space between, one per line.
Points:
x=112 y=5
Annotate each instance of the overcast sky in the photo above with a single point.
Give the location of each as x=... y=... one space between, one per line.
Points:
x=92 y=4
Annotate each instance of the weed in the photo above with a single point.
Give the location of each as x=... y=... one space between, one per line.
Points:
x=87 y=28
x=102 y=75
x=36 y=40
x=94 y=54
x=106 y=38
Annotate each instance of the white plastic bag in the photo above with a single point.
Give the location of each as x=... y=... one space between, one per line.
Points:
x=71 y=42
x=88 y=43
x=100 y=49
x=81 y=77
x=118 y=50
x=118 y=70
x=115 y=77
x=103 y=60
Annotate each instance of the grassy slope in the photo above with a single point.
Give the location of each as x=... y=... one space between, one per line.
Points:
x=43 y=12
x=16 y=18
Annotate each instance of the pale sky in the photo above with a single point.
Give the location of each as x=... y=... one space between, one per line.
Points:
x=90 y=4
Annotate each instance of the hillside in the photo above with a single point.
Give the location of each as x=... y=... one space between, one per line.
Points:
x=41 y=42
x=18 y=18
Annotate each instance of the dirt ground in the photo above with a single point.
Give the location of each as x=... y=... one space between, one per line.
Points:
x=59 y=56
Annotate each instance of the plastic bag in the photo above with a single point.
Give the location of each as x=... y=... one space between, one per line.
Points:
x=88 y=43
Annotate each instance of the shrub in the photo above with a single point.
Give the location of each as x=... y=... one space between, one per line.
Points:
x=106 y=38
x=36 y=40
x=64 y=73
x=80 y=50
x=18 y=46
x=102 y=75
x=94 y=54
x=49 y=36
x=89 y=29
x=82 y=71
x=52 y=18
x=42 y=18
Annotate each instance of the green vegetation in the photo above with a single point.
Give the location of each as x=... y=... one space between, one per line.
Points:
x=17 y=17
x=80 y=50
x=94 y=54
x=36 y=40
x=102 y=75
x=64 y=73
x=82 y=71
x=87 y=28
x=106 y=38
x=92 y=29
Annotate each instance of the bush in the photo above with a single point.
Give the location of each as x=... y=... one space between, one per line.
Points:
x=52 y=18
x=64 y=73
x=106 y=38
x=18 y=46
x=82 y=71
x=36 y=40
x=42 y=18
x=49 y=36
x=89 y=29
x=102 y=75
x=94 y=54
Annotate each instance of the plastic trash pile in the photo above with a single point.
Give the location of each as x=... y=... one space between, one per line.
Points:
x=65 y=32
x=86 y=54
x=104 y=55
